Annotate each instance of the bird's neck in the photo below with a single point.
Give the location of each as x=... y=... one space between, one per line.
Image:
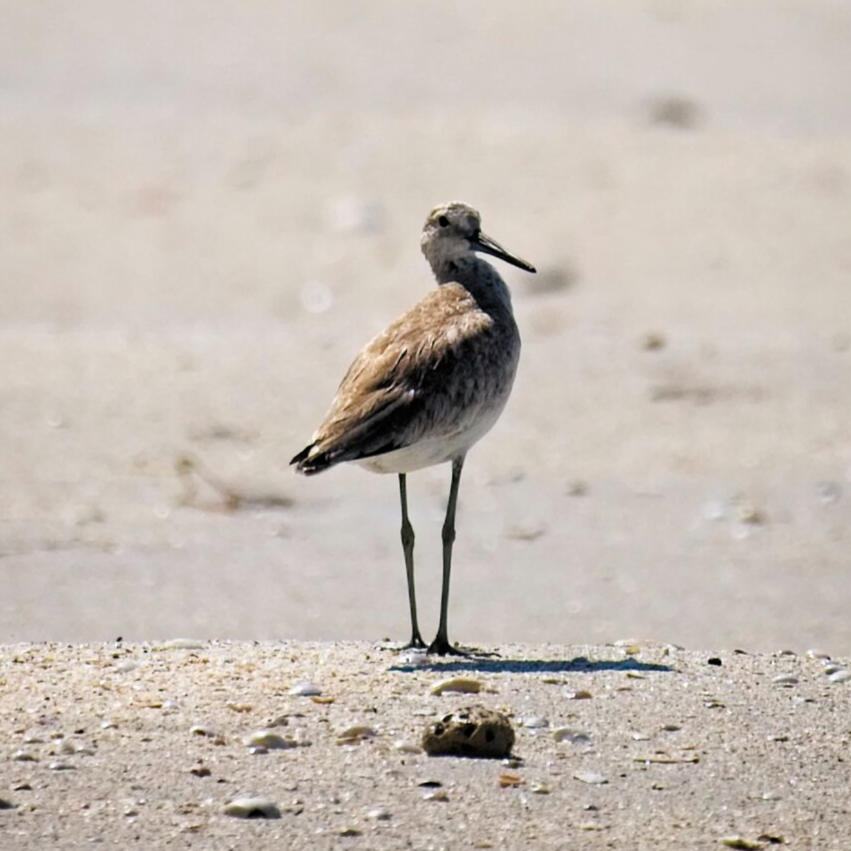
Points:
x=478 y=277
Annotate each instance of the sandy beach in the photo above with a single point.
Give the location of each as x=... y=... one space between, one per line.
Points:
x=205 y=213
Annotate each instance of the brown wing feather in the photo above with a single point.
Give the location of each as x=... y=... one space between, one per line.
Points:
x=381 y=400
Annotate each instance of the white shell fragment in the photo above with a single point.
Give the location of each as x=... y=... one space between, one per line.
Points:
x=591 y=777
x=841 y=676
x=534 y=722
x=785 y=680
x=269 y=739
x=252 y=808
x=305 y=689
x=463 y=685
x=568 y=734
x=355 y=734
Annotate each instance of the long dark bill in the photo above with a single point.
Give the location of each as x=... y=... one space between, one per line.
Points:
x=486 y=245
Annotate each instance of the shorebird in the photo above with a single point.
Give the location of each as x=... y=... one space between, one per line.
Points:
x=431 y=384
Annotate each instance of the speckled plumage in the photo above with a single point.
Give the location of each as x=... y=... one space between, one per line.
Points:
x=431 y=384
x=436 y=379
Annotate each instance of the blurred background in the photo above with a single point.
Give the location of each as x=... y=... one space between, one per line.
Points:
x=207 y=209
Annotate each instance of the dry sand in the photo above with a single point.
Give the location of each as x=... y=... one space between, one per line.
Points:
x=205 y=212
x=665 y=751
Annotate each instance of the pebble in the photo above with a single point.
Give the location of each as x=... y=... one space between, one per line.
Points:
x=305 y=690
x=61 y=766
x=540 y=789
x=474 y=731
x=379 y=814
x=24 y=756
x=568 y=734
x=252 y=808
x=832 y=668
x=464 y=685
x=6 y=805
x=785 y=680
x=268 y=739
x=406 y=747
x=590 y=777
x=840 y=676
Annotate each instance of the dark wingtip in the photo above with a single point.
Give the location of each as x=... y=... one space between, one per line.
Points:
x=304 y=464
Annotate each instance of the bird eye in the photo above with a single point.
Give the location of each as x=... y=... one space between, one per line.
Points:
x=443 y=222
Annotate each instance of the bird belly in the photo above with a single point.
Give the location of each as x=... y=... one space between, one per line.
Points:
x=434 y=449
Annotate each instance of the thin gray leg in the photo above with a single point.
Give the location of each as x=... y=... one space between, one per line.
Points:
x=441 y=643
x=408 y=549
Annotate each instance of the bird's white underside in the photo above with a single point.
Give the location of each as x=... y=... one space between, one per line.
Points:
x=436 y=449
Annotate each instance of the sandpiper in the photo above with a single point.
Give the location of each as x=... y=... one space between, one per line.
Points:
x=431 y=384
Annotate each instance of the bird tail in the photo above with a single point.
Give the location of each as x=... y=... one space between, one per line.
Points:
x=304 y=463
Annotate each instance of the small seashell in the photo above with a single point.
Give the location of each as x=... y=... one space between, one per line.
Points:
x=640 y=737
x=379 y=814
x=534 y=722
x=61 y=766
x=540 y=789
x=201 y=730
x=785 y=680
x=321 y=700
x=831 y=668
x=239 y=707
x=579 y=694
x=509 y=780
x=269 y=739
x=568 y=734
x=463 y=685
x=24 y=756
x=406 y=747
x=740 y=842
x=814 y=653
x=589 y=777
x=352 y=735
x=348 y=831
x=840 y=676
x=252 y=808
x=305 y=689
x=413 y=657
x=436 y=795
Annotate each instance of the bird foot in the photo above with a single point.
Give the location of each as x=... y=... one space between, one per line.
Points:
x=441 y=647
x=416 y=643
